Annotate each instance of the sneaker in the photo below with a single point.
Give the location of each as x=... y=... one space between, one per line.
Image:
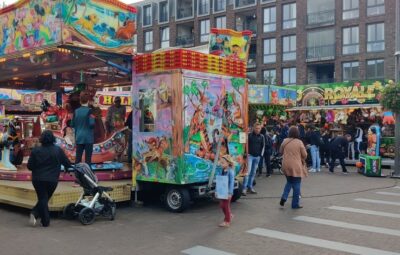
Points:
x=32 y=220
x=282 y=202
x=345 y=173
x=312 y=170
x=244 y=193
x=268 y=175
x=297 y=207
x=318 y=170
x=327 y=165
x=253 y=191
x=224 y=224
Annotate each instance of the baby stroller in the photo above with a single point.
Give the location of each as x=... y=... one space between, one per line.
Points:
x=100 y=204
x=276 y=162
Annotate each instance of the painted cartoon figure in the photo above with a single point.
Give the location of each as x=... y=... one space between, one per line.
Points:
x=157 y=146
x=88 y=22
x=388 y=118
x=127 y=31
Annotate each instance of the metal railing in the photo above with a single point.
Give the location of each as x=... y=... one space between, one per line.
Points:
x=184 y=12
x=204 y=9
x=241 y=3
x=318 y=53
x=219 y=5
x=185 y=41
x=163 y=17
x=321 y=18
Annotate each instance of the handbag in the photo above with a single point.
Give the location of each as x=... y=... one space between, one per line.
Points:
x=221 y=187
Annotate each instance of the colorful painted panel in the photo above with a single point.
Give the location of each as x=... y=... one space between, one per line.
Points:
x=32 y=24
x=268 y=94
x=34 y=100
x=99 y=23
x=213 y=105
x=367 y=92
x=152 y=130
x=229 y=43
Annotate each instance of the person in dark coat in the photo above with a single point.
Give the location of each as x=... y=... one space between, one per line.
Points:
x=267 y=154
x=45 y=163
x=324 y=148
x=128 y=123
x=339 y=146
x=256 y=149
x=83 y=123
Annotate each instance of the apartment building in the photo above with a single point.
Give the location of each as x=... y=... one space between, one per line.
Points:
x=294 y=42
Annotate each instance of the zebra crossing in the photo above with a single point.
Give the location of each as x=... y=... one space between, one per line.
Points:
x=284 y=236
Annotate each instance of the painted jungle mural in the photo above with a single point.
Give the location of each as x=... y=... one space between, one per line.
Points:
x=38 y=23
x=210 y=106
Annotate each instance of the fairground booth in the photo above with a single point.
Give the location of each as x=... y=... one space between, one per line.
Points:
x=51 y=51
x=343 y=107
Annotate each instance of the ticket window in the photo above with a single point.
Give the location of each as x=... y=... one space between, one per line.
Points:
x=148 y=108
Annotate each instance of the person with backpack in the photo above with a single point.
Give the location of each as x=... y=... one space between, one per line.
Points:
x=314 y=139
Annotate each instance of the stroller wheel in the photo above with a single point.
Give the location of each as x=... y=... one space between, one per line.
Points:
x=109 y=210
x=87 y=216
x=69 y=211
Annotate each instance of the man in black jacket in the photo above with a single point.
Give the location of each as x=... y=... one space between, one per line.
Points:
x=339 y=146
x=267 y=154
x=256 y=146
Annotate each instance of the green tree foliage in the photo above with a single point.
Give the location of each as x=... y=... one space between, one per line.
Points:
x=391 y=97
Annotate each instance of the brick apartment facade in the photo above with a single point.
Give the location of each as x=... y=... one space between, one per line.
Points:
x=318 y=59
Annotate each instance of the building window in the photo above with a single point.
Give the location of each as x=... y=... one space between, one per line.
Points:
x=252 y=76
x=375 y=69
x=163 y=12
x=289 y=76
x=164 y=34
x=148 y=109
x=244 y=3
x=219 y=5
x=268 y=1
x=376 y=37
x=320 y=12
x=269 y=19
x=204 y=30
x=351 y=9
x=269 y=77
x=350 y=40
x=147 y=19
x=184 y=9
x=269 y=50
x=375 y=7
x=350 y=71
x=203 y=7
x=289 y=16
x=220 y=22
x=289 y=48
x=321 y=45
x=148 y=40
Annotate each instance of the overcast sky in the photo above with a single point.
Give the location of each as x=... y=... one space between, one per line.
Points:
x=13 y=1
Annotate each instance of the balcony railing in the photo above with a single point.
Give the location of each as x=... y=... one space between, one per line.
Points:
x=252 y=61
x=320 y=53
x=185 y=41
x=204 y=9
x=185 y=11
x=219 y=5
x=321 y=81
x=321 y=18
x=242 y=3
x=164 y=17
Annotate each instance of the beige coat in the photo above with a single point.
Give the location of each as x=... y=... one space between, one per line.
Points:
x=294 y=156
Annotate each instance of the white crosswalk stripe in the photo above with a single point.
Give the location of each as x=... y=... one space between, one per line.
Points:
x=362 y=211
x=202 y=250
x=388 y=193
x=396 y=187
x=341 y=224
x=316 y=242
x=374 y=201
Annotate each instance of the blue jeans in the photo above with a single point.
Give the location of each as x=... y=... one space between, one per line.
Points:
x=295 y=184
x=252 y=164
x=316 y=159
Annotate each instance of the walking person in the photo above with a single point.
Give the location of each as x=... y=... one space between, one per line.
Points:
x=313 y=138
x=45 y=163
x=83 y=123
x=324 y=148
x=227 y=164
x=256 y=146
x=293 y=166
x=268 y=153
x=358 y=138
x=339 y=146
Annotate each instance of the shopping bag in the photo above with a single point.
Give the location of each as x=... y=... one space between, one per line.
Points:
x=221 y=189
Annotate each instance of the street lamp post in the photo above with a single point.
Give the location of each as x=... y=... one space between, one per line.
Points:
x=396 y=173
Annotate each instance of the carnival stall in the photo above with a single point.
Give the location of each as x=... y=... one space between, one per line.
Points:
x=268 y=103
x=47 y=46
x=183 y=102
x=341 y=107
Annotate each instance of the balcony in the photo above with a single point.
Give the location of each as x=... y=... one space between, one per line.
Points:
x=244 y=3
x=185 y=41
x=321 y=53
x=322 y=81
x=204 y=9
x=219 y=5
x=324 y=18
x=184 y=9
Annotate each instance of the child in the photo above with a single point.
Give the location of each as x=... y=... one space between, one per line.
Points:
x=227 y=163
